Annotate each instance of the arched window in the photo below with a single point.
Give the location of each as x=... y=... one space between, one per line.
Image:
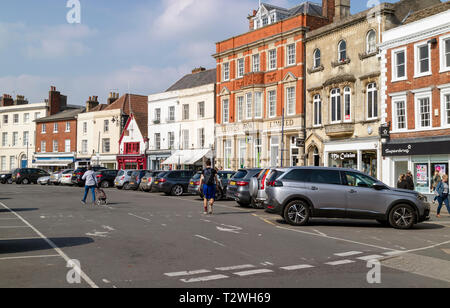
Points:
x=317 y=61
x=335 y=105
x=371 y=41
x=342 y=48
x=317 y=104
x=347 y=104
x=372 y=101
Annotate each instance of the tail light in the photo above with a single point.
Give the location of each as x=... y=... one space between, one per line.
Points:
x=275 y=184
x=18 y=175
x=197 y=183
x=123 y=177
x=242 y=183
x=162 y=180
x=80 y=173
x=99 y=176
x=263 y=180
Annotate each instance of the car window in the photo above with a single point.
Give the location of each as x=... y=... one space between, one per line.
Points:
x=160 y=175
x=240 y=174
x=297 y=175
x=173 y=175
x=359 y=180
x=129 y=173
x=225 y=176
x=325 y=177
x=275 y=174
x=197 y=176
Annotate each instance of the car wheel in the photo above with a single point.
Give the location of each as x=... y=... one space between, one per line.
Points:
x=126 y=186
x=257 y=205
x=242 y=204
x=177 y=190
x=25 y=181
x=105 y=184
x=9 y=181
x=296 y=213
x=402 y=216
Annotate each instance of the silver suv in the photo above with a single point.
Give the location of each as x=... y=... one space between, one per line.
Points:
x=304 y=192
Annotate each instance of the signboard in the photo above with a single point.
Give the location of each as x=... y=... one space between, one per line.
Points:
x=342 y=156
x=419 y=148
x=422 y=174
x=385 y=132
x=300 y=143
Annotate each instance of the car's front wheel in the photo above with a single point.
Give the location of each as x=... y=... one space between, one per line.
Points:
x=297 y=213
x=177 y=190
x=25 y=181
x=402 y=216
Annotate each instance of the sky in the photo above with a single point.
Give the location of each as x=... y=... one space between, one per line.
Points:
x=137 y=46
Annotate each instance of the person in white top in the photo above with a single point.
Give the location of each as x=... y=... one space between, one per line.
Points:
x=91 y=184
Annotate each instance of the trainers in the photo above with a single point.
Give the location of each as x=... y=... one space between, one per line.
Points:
x=83 y=202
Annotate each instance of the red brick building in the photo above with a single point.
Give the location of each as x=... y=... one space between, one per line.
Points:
x=416 y=98
x=260 y=86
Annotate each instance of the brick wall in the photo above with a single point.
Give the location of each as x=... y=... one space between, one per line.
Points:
x=61 y=136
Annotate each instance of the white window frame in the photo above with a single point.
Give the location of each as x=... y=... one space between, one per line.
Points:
x=55 y=148
x=44 y=128
x=256 y=63
x=105 y=126
x=274 y=145
x=347 y=92
x=200 y=110
x=444 y=122
x=291 y=57
x=444 y=67
x=258 y=104
x=55 y=128
x=84 y=146
x=67 y=127
x=26 y=138
x=269 y=110
x=201 y=137
x=171 y=140
x=186 y=139
x=317 y=119
x=240 y=68
x=242 y=149
x=368 y=50
x=3 y=163
x=417 y=98
x=26 y=118
x=369 y=92
x=240 y=108
x=272 y=57
x=16 y=118
x=394 y=64
x=335 y=95
x=340 y=50
x=43 y=147
x=417 y=73
x=228 y=154
x=290 y=100
x=4 y=139
x=226 y=115
x=317 y=60
x=186 y=112
x=85 y=128
x=157 y=141
x=248 y=106
x=67 y=145
x=395 y=100
x=15 y=139
x=226 y=71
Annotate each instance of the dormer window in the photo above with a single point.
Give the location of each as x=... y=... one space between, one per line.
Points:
x=265 y=21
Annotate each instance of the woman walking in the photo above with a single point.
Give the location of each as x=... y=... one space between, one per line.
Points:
x=442 y=190
x=91 y=184
x=435 y=182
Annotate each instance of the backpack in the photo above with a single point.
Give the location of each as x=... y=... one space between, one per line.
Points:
x=209 y=176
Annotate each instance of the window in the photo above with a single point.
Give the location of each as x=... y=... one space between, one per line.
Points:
x=37 y=115
x=4 y=139
x=444 y=48
x=399 y=114
x=171 y=116
x=106 y=145
x=258 y=104
x=201 y=138
x=227 y=154
x=297 y=175
x=371 y=42
x=15 y=140
x=335 y=105
x=26 y=138
x=84 y=146
x=55 y=146
x=317 y=110
x=290 y=100
x=171 y=140
x=43 y=146
x=258 y=152
x=372 y=101
x=44 y=128
x=157 y=116
x=12 y=162
x=317 y=61
x=67 y=148
x=291 y=54
x=359 y=180
x=185 y=134
x=342 y=51
x=186 y=112
x=274 y=151
x=240 y=108
x=249 y=106
x=325 y=177
x=265 y=20
x=106 y=126
x=3 y=163
x=226 y=72
x=242 y=152
x=255 y=60
x=272 y=59
x=5 y=119
x=399 y=65
x=157 y=141
x=132 y=148
x=67 y=127
x=84 y=127
x=16 y=119
x=272 y=102
x=422 y=60
x=240 y=68
x=26 y=118
x=201 y=110
x=424 y=111
x=446 y=105
x=226 y=111
x=55 y=127
x=347 y=104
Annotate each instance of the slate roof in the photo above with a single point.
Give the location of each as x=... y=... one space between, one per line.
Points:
x=195 y=80
x=430 y=11
x=307 y=7
x=68 y=114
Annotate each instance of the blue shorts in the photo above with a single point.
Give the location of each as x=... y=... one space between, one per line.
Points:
x=209 y=191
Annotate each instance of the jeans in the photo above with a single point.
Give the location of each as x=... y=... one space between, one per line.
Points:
x=442 y=200
x=86 y=191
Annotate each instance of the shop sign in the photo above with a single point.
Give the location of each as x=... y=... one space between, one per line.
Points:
x=342 y=156
x=237 y=128
x=278 y=123
x=420 y=148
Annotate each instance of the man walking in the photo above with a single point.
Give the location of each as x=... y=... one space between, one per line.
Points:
x=91 y=184
x=208 y=182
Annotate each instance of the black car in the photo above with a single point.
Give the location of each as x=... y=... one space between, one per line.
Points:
x=238 y=186
x=224 y=177
x=174 y=183
x=6 y=178
x=105 y=178
x=27 y=175
x=148 y=179
x=136 y=178
x=77 y=177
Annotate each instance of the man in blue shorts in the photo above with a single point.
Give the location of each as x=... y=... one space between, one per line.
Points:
x=208 y=182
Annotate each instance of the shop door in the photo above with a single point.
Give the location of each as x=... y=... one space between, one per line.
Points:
x=400 y=167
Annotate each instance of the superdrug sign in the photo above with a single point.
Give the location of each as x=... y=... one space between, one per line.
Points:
x=419 y=148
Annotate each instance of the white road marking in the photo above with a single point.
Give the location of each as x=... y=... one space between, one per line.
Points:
x=202 y=279
x=321 y=233
x=392 y=253
x=237 y=267
x=143 y=218
x=210 y=240
x=20 y=239
x=266 y=263
x=29 y=257
x=98 y=234
x=108 y=228
x=59 y=251
x=187 y=273
x=253 y=272
x=342 y=262
x=348 y=254
x=372 y=257
x=14 y=227
x=296 y=267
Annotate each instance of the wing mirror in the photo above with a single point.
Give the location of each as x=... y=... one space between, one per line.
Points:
x=379 y=186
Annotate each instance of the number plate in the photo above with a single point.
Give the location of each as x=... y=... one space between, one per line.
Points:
x=232 y=183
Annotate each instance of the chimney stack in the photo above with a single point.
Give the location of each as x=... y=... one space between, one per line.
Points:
x=328 y=9
x=56 y=101
x=20 y=100
x=342 y=9
x=91 y=103
x=198 y=70
x=7 y=101
x=112 y=97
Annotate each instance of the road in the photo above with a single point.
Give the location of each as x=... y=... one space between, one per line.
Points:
x=151 y=240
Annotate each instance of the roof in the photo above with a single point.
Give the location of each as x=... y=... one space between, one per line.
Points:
x=430 y=11
x=307 y=7
x=67 y=114
x=195 y=80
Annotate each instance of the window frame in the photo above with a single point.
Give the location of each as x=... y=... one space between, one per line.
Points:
x=290 y=55
x=226 y=102
x=249 y=106
x=67 y=145
x=226 y=71
x=185 y=112
x=272 y=57
x=394 y=64
x=317 y=60
x=258 y=104
x=254 y=65
x=368 y=50
x=417 y=73
x=240 y=108
x=346 y=93
x=269 y=92
x=240 y=68
x=336 y=95
x=317 y=101
x=340 y=51
x=394 y=101
x=293 y=100
x=444 y=117
x=200 y=110
x=418 y=120
x=372 y=91
x=444 y=67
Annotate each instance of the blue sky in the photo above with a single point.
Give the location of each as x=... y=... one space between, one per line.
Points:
x=146 y=44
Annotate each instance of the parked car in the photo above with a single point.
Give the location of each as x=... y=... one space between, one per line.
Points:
x=55 y=177
x=224 y=177
x=305 y=192
x=66 y=177
x=147 y=180
x=174 y=183
x=238 y=186
x=123 y=179
x=258 y=185
x=6 y=178
x=156 y=181
x=27 y=175
x=136 y=178
x=77 y=177
x=45 y=180
x=105 y=178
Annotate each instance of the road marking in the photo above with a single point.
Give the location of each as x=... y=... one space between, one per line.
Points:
x=202 y=279
x=59 y=251
x=348 y=254
x=14 y=227
x=369 y=258
x=187 y=273
x=253 y=272
x=98 y=234
x=233 y=268
x=29 y=257
x=143 y=218
x=20 y=239
x=266 y=263
x=392 y=253
x=210 y=240
x=318 y=232
x=342 y=262
x=296 y=267
x=265 y=220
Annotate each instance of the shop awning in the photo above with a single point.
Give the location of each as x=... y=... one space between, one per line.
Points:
x=186 y=157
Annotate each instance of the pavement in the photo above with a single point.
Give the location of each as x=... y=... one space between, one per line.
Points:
x=49 y=239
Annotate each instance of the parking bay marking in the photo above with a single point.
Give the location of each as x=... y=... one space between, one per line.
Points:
x=253 y=272
x=296 y=267
x=342 y=262
x=187 y=273
x=348 y=254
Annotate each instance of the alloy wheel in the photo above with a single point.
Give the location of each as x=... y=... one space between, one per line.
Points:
x=403 y=217
x=178 y=190
x=297 y=213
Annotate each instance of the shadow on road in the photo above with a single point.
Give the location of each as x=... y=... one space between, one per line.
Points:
x=18 y=210
x=27 y=245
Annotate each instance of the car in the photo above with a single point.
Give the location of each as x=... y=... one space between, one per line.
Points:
x=77 y=177
x=106 y=178
x=123 y=179
x=302 y=193
x=224 y=177
x=238 y=186
x=155 y=187
x=258 y=185
x=27 y=175
x=136 y=178
x=66 y=177
x=174 y=183
x=6 y=178
x=45 y=180
x=55 y=177
x=147 y=180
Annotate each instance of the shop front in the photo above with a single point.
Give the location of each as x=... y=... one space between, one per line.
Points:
x=157 y=158
x=54 y=162
x=422 y=158
x=132 y=162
